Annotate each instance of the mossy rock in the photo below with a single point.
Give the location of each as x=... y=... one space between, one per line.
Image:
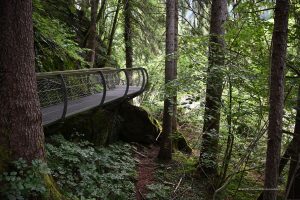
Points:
x=95 y=125
x=105 y=126
x=138 y=125
x=180 y=143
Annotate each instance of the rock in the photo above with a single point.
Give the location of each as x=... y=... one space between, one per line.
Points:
x=138 y=124
x=180 y=143
x=95 y=126
x=105 y=126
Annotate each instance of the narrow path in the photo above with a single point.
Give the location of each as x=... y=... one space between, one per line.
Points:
x=146 y=168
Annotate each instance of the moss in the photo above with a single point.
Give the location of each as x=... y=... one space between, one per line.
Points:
x=137 y=124
x=180 y=143
x=155 y=122
x=53 y=191
x=152 y=120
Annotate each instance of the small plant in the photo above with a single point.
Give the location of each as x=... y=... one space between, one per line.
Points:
x=24 y=181
x=81 y=170
x=158 y=191
x=87 y=172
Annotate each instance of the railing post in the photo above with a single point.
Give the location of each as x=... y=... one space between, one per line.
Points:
x=103 y=82
x=143 y=82
x=65 y=96
x=127 y=82
x=146 y=76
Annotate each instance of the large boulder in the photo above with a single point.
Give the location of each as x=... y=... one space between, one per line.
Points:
x=96 y=125
x=105 y=126
x=138 y=125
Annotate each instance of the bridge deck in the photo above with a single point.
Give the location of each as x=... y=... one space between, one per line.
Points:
x=54 y=112
x=66 y=93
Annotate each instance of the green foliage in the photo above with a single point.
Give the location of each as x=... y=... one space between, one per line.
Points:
x=87 y=172
x=242 y=188
x=248 y=35
x=81 y=171
x=175 y=180
x=158 y=191
x=24 y=181
x=55 y=43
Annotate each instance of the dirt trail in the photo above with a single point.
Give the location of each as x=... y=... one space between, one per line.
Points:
x=146 y=169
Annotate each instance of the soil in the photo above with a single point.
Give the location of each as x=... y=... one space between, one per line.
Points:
x=146 y=155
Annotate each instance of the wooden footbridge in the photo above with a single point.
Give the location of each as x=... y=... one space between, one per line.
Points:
x=66 y=93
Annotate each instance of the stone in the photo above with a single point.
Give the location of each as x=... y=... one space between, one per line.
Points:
x=107 y=125
x=138 y=125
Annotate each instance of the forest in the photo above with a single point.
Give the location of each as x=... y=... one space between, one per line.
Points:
x=149 y=99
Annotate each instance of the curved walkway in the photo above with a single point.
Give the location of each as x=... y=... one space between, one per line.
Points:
x=66 y=93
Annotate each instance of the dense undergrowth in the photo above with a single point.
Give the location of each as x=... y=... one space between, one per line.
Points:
x=81 y=170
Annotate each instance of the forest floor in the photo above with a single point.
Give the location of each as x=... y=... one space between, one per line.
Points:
x=146 y=168
x=172 y=180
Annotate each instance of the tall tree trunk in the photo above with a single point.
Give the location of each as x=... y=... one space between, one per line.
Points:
x=178 y=141
x=92 y=33
x=214 y=88
x=174 y=116
x=165 y=152
x=113 y=30
x=21 y=132
x=276 y=99
x=290 y=150
x=101 y=19
x=128 y=33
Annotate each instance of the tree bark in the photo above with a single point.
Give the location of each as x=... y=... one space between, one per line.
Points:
x=101 y=19
x=283 y=161
x=276 y=98
x=214 y=89
x=178 y=142
x=128 y=33
x=165 y=152
x=92 y=33
x=21 y=132
x=174 y=116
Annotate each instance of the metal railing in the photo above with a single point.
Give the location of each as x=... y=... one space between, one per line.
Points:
x=65 y=93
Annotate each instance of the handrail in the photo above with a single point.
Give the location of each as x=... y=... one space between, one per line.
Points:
x=144 y=79
x=65 y=88
x=79 y=71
